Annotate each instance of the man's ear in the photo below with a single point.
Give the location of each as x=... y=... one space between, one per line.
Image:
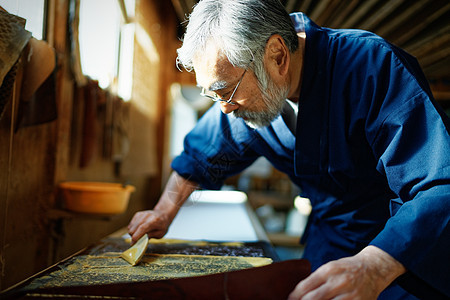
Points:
x=277 y=56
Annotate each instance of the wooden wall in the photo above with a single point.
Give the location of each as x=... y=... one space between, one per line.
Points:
x=34 y=232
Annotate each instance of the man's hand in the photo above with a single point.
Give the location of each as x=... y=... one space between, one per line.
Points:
x=156 y=222
x=363 y=276
x=151 y=222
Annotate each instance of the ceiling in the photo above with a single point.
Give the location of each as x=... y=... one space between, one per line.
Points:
x=421 y=27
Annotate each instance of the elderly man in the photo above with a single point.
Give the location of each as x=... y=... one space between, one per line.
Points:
x=349 y=117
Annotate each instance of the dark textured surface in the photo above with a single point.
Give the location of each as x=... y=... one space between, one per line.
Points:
x=248 y=249
x=101 y=263
x=253 y=283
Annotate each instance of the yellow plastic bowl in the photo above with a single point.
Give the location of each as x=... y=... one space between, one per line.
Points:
x=96 y=197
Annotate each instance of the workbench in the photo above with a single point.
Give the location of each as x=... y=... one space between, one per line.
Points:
x=215 y=239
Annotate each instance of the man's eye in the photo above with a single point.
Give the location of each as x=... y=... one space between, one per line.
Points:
x=220 y=95
x=212 y=94
x=225 y=95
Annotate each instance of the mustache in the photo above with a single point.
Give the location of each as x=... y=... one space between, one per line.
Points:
x=245 y=114
x=256 y=119
x=272 y=99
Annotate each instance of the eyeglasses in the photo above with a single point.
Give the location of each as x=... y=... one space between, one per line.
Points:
x=211 y=95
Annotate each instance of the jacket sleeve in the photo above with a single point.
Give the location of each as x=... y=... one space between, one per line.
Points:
x=412 y=145
x=217 y=148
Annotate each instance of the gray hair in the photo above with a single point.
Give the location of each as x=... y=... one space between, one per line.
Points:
x=239 y=28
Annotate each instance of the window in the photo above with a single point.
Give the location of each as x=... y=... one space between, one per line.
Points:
x=107 y=43
x=99 y=29
x=31 y=10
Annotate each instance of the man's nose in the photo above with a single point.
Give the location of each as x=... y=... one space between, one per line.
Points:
x=227 y=107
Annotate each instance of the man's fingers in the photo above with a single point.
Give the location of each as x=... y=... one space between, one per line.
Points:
x=152 y=233
x=147 y=222
x=316 y=286
x=324 y=291
x=140 y=231
x=139 y=219
x=342 y=279
x=305 y=286
x=135 y=222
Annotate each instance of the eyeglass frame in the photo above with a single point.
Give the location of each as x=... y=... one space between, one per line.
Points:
x=218 y=99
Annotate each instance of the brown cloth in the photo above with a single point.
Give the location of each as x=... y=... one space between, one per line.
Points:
x=40 y=64
x=38 y=92
x=90 y=131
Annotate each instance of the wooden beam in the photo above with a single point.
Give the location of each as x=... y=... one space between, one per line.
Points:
x=381 y=14
x=432 y=40
x=392 y=24
x=189 y=5
x=304 y=6
x=440 y=90
x=342 y=12
x=50 y=22
x=435 y=57
x=318 y=10
x=179 y=9
x=438 y=70
x=441 y=95
x=123 y=10
x=360 y=12
x=290 y=5
x=327 y=11
x=422 y=24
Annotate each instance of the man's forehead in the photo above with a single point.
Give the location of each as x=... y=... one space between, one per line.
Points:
x=212 y=70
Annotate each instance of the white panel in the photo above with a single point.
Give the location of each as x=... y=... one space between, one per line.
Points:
x=214 y=216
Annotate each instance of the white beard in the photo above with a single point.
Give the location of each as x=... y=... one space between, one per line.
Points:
x=273 y=99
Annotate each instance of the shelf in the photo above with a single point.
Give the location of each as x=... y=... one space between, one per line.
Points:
x=283 y=239
x=276 y=200
x=56 y=214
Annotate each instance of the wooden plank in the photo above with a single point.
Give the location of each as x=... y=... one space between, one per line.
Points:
x=50 y=22
x=438 y=70
x=290 y=5
x=360 y=12
x=327 y=11
x=436 y=56
x=304 y=6
x=346 y=7
x=189 y=5
x=282 y=239
x=392 y=24
x=380 y=15
x=441 y=90
x=178 y=9
x=441 y=96
x=422 y=24
x=123 y=10
x=435 y=40
x=6 y=153
x=318 y=10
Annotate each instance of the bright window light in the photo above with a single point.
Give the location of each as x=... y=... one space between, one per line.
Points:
x=130 y=7
x=31 y=10
x=303 y=205
x=99 y=31
x=125 y=82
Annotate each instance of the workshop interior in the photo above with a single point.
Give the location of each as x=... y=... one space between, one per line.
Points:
x=93 y=108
